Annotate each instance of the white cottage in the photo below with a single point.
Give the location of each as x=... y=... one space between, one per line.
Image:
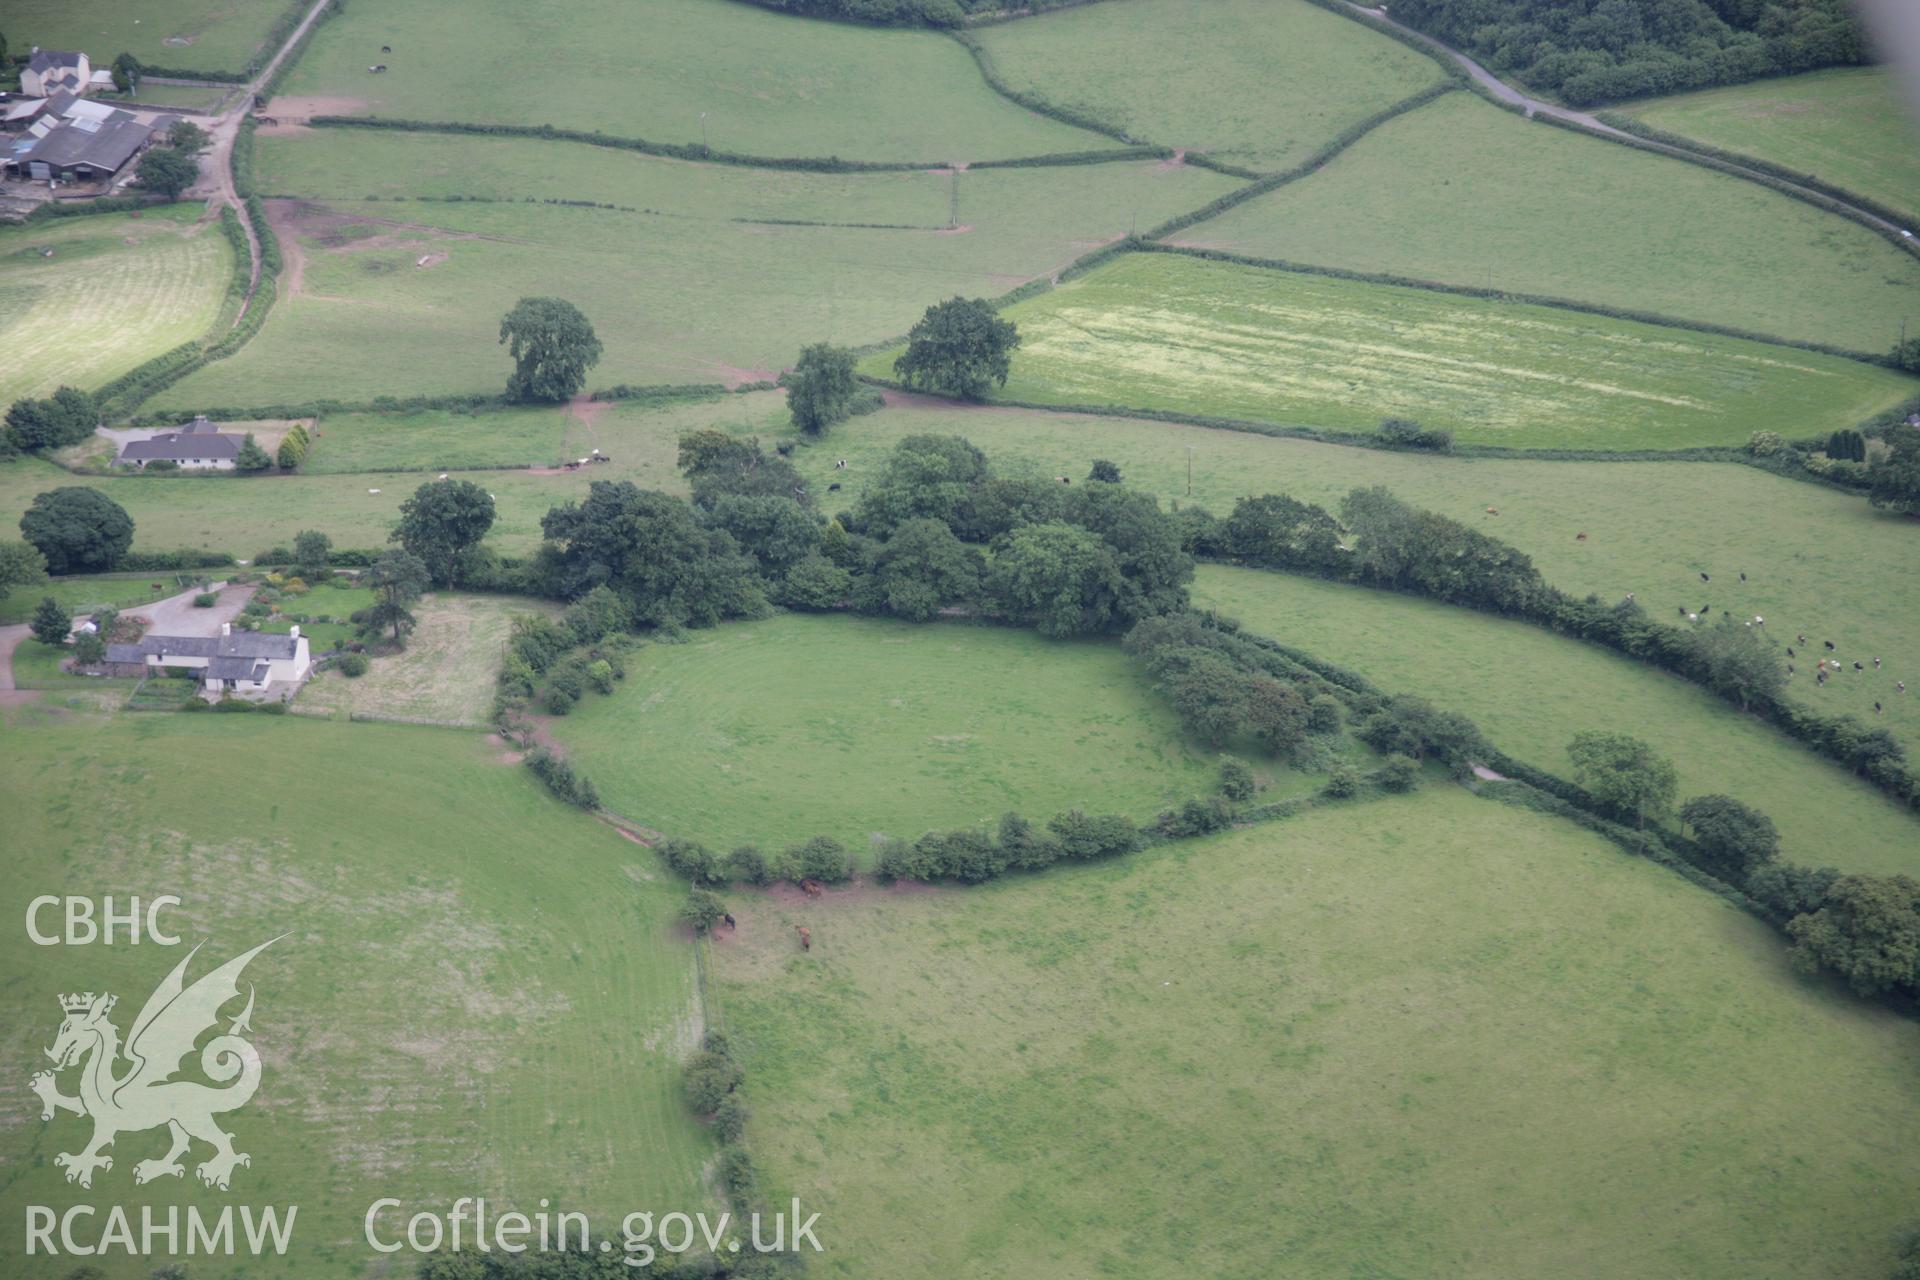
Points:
x=49 y=71
x=244 y=663
x=200 y=445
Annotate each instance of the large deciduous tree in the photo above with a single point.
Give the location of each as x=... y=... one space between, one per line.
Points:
x=552 y=345
x=126 y=73
x=1060 y=577
x=311 y=551
x=820 y=388
x=168 y=171
x=1739 y=839
x=1624 y=773
x=1739 y=662
x=648 y=546
x=66 y=417
x=77 y=530
x=919 y=569
x=442 y=519
x=1867 y=930
x=960 y=346
x=925 y=477
x=1894 y=480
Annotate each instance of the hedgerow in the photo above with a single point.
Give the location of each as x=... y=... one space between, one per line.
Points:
x=989 y=72
x=561 y=779
x=1477 y=571
x=672 y=150
x=1312 y=164
x=47 y=210
x=1813 y=182
x=1791 y=189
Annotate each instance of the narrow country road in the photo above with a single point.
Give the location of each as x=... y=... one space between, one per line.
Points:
x=1534 y=106
x=10 y=638
x=216 y=184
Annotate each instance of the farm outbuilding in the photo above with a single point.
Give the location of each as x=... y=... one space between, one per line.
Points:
x=76 y=141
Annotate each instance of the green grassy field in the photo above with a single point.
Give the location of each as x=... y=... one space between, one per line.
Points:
x=360 y=317
x=1817 y=561
x=39 y=666
x=480 y=990
x=85 y=593
x=1249 y=82
x=197 y=35
x=799 y=726
x=768 y=84
x=1845 y=125
x=446 y=672
x=1462 y=193
x=437 y=439
x=244 y=516
x=189 y=97
x=1421 y=1037
x=1530 y=691
x=1163 y=331
x=117 y=289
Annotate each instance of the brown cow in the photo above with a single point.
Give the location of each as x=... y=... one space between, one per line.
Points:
x=806 y=937
x=812 y=888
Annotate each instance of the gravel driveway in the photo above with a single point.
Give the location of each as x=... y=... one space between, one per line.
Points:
x=176 y=615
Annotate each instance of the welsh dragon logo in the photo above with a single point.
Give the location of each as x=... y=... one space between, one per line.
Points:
x=145 y=1095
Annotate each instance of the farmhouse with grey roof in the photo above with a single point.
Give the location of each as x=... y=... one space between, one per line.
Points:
x=248 y=663
x=200 y=444
x=50 y=70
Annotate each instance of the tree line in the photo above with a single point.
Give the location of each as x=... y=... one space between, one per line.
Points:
x=1594 y=51
x=1379 y=540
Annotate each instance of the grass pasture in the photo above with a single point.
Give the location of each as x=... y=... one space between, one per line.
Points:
x=1249 y=82
x=767 y=84
x=84 y=593
x=1462 y=193
x=1423 y=1037
x=360 y=316
x=446 y=672
x=83 y=300
x=1163 y=331
x=1845 y=125
x=458 y=1007
x=246 y=515
x=1530 y=691
x=776 y=731
x=439 y=440
x=1817 y=562
x=191 y=35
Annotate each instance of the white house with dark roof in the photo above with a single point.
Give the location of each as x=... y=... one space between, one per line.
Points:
x=200 y=445
x=244 y=663
x=50 y=70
